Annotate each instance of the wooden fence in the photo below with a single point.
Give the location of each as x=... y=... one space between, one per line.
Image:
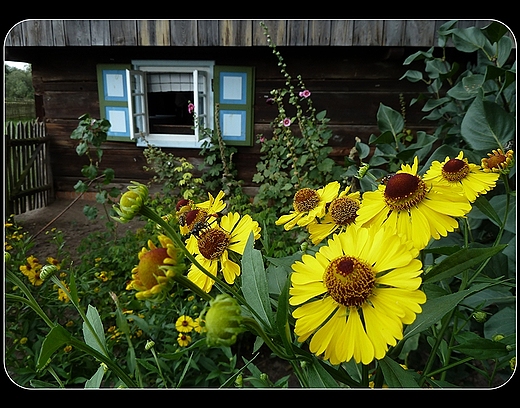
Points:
x=29 y=183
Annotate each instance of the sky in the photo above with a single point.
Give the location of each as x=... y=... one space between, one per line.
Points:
x=19 y=65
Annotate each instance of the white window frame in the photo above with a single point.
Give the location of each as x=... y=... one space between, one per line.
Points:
x=137 y=103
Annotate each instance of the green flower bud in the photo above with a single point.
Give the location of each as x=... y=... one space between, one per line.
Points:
x=47 y=271
x=131 y=202
x=497 y=337
x=480 y=317
x=7 y=257
x=223 y=321
x=149 y=345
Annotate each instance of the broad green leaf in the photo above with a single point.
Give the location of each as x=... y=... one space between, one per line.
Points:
x=319 y=377
x=390 y=120
x=486 y=126
x=494 y=31
x=254 y=282
x=95 y=380
x=412 y=75
x=460 y=261
x=487 y=209
x=56 y=338
x=98 y=343
x=469 y=39
x=435 y=309
x=395 y=375
x=479 y=348
x=502 y=322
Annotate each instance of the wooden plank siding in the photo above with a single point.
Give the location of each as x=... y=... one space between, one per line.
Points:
x=240 y=33
x=350 y=66
x=349 y=83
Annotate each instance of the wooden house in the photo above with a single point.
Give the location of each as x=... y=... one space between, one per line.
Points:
x=141 y=75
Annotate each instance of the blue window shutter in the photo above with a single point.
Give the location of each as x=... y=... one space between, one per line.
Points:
x=234 y=94
x=113 y=100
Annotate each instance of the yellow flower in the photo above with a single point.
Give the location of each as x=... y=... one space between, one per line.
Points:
x=32 y=270
x=62 y=295
x=191 y=215
x=183 y=339
x=212 y=246
x=341 y=213
x=308 y=205
x=152 y=276
x=459 y=175
x=184 y=324
x=413 y=208
x=199 y=325
x=355 y=294
x=498 y=161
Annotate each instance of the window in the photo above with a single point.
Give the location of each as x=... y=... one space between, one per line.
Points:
x=147 y=102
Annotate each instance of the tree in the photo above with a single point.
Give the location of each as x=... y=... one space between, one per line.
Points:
x=18 y=83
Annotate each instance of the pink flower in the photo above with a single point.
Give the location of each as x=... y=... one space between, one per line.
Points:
x=262 y=139
x=305 y=93
x=286 y=122
x=191 y=108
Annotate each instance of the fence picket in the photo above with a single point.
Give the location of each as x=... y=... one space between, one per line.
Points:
x=28 y=172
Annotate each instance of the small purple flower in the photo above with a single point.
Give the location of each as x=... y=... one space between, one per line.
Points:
x=305 y=93
x=191 y=108
x=286 y=122
x=262 y=139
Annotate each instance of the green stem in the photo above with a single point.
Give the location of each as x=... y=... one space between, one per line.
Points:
x=449 y=367
x=30 y=301
x=253 y=325
x=101 y=357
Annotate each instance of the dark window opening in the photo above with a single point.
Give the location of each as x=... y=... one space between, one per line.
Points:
x=168 y=112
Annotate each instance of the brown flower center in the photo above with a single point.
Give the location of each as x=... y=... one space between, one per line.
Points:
x=213 y=242
x=306 y=199
x=343 y=210
x=495 y=161
x=455 y=170
x=403 y=191
x=349 y=281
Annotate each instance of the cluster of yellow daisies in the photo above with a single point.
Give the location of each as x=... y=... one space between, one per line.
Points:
x=354 y=295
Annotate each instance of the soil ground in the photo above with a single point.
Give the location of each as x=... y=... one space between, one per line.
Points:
x=66 y=215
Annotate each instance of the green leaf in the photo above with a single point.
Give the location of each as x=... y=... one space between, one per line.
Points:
x=469 y=39
x=254 y=282
x=502 y=322
x=460 y=261
x=98 y=343
x=487 y=209
x=319 y=377
x=56 y=338
x=435 y=309
x=95 y=380
x=486 y=126
x=390 y=120
x=412 y=75
x=89 y=172
x=395 y=375
x=82 y=148
x=479 y=348
x=80 y=187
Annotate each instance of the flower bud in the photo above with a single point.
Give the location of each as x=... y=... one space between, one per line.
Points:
x=497 y=337
x=149 y=345
x=480 y=317
x=131 y=202
x=47 y=271
x=223 y=321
